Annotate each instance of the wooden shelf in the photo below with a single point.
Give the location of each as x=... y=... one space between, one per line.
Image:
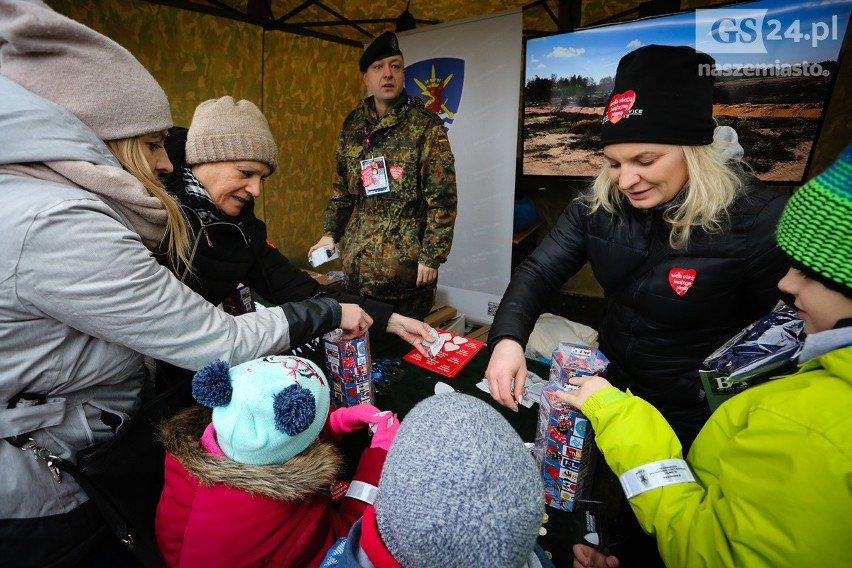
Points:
x=520 y=236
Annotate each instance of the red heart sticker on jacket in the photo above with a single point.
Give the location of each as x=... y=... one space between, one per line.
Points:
x=395 y=171
x=681 y=279
x=339 y=489
x=620 y=105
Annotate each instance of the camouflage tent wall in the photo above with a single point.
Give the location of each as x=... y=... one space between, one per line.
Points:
x=306 y=86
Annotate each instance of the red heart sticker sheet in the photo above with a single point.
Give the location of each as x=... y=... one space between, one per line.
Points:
x=681 y=279
x=620 y=105
x=454 y=354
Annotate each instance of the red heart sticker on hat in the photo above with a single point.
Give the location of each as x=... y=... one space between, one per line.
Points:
x=681 y=279
x=620 y=105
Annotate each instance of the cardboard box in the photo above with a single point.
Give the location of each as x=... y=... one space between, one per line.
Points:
x=440 y=314
x=455 y=325
x=480 y=333
x=326 y=280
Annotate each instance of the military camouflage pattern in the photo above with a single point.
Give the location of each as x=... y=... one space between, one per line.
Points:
x=390 y=233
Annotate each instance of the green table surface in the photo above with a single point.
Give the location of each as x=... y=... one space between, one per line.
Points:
x=413 y=383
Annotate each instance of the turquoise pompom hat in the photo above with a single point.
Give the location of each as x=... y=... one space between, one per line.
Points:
x=267 y=410
x=815 y=229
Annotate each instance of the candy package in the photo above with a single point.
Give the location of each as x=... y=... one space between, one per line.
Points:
x=564 y=446
x=574 y=359
x=349 y=369
x=756 y=353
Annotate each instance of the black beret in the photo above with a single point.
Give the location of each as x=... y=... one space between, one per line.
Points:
x=383 y=46
x=663 y=94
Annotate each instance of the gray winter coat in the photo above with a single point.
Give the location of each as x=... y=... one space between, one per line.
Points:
x=82 y=300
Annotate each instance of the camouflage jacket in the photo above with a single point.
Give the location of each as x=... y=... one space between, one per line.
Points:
x=388 y=234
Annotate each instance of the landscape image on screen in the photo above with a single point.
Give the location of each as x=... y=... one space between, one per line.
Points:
x=568 y=78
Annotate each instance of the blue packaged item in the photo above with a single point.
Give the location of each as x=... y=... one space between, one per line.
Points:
x=759 y=351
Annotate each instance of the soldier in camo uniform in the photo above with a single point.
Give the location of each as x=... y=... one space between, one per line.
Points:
x=395 y=187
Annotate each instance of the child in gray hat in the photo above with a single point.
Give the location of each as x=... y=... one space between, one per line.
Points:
x=458 y=488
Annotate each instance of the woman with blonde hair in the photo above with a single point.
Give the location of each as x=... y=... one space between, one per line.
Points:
x=676 y=232
x=82 y=299
x=679 y=236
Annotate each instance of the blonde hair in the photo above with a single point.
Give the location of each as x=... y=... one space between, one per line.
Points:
x=713 y=183
x=128 y=151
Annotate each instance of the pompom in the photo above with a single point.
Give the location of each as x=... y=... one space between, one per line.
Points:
x=295 y=409
x=211 y=385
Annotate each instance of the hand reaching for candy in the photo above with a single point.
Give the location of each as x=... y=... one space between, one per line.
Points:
x=348 y=419
x=385 y=429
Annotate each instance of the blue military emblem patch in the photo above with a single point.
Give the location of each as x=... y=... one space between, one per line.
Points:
x=438 y=83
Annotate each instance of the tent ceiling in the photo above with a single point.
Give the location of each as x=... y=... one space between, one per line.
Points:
x=346 y=21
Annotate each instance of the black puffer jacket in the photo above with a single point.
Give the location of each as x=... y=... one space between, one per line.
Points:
x=228 y=253
x=237 y=250
x=654 y=335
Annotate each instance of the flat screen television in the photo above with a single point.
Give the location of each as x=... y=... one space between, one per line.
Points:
x=776 y=65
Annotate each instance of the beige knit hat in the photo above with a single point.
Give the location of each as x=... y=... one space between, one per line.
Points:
x=225 y=130
x=81 y=70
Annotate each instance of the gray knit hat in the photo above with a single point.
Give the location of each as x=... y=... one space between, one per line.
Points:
x=81 y=70
x=458 y=488
x=225 y=130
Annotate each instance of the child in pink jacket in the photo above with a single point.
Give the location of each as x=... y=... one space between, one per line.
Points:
x=256 y=482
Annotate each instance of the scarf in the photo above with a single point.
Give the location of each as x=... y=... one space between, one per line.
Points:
x=145 y=213
x=198 y=199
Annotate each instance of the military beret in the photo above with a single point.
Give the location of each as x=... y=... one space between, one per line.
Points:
x=383 y=46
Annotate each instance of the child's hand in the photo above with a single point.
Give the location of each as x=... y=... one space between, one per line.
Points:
x=348 y=419
x=588 y=387
x=588 y=557
x=386 y=429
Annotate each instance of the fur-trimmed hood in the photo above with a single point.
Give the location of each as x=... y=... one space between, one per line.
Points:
x=307 y=474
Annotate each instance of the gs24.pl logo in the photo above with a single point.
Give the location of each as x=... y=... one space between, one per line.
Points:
x=747 y=30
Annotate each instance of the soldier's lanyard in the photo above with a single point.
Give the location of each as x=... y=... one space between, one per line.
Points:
x=374 y=173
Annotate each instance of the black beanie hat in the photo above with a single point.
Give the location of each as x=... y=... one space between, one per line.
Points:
x=383 y=46
x=662 y=94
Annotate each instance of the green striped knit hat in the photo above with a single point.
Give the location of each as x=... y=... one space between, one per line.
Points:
x=815 y=229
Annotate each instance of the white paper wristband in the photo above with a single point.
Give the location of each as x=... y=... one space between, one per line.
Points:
x=362 y=491
x=653 y=475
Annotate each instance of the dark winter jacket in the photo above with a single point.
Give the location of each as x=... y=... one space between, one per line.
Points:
x=236 y=250
x=658 y=328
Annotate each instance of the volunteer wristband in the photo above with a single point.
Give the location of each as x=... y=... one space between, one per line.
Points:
x=362 y=491
x=654 y=475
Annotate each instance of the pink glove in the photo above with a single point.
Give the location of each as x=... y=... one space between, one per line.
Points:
x=386 y=428
x=351 y=418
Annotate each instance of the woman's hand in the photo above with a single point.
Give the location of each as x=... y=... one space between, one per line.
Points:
x=507 y=364
x=354 y=321
x=587 y=557
x=588 y=387
x=411 y=330
x=321 y=243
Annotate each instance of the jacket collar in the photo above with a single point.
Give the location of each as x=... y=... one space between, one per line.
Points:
x=302 y=477
x=818 y=344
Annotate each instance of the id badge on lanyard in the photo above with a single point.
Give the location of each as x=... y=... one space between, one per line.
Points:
x=374 y=176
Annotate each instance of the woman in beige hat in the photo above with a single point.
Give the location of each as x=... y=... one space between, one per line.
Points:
x=220 y=164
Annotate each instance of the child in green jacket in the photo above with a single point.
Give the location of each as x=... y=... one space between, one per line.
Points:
x=768 y=481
